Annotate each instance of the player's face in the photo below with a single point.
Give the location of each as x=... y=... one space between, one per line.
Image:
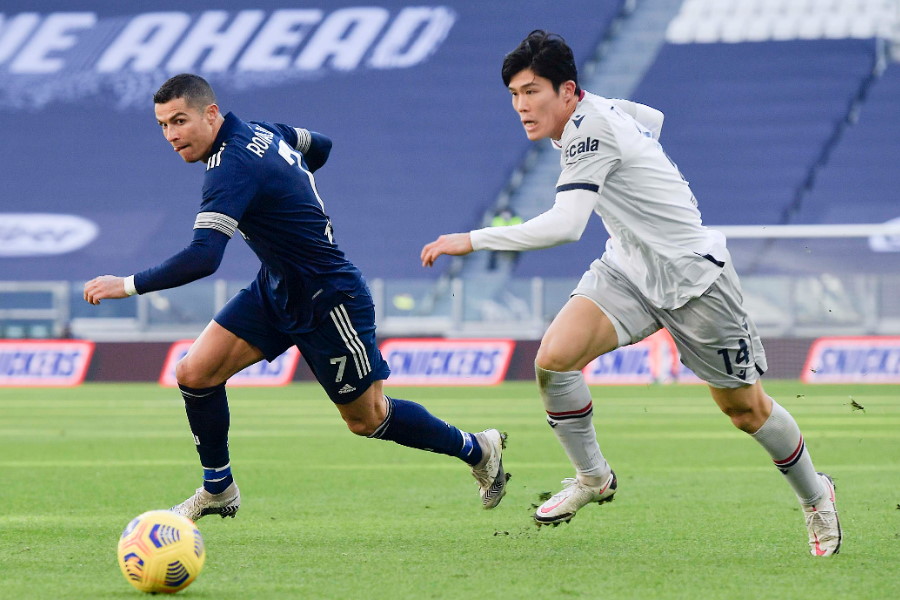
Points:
x=191 y=131
x=542 y=110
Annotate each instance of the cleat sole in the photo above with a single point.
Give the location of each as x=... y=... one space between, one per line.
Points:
x=555 y=523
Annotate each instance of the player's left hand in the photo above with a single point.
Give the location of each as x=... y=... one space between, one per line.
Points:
x=103 y=287
x=454 y=244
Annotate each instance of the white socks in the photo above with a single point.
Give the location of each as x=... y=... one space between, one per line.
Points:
x=569 y=407
x=781 y=438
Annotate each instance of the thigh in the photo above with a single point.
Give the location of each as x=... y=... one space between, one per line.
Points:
x=715 y=336
x=342 y=350
x=579 y=333
x=619 y=300
x=245 y=316
x=215 y=355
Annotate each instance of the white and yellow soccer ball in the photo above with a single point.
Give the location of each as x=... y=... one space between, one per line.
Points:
x=160 y=551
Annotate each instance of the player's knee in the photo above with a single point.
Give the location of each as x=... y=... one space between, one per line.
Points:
x=747 y=419
x=747 y=407
x=188 y=374
x=549 y=360
x=360 y=426
x=741 y=418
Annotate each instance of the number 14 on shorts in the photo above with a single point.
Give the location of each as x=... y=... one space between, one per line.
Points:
x=741 y=359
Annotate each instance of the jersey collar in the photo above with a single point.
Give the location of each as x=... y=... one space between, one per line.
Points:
x=231 y=124
x=558 y=143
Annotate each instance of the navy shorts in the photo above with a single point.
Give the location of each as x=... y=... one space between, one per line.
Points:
x=341 y=351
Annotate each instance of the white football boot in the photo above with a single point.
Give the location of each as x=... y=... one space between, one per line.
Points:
x=203 y=503
x=823 y=523
x=489 y=472
x=563 y=505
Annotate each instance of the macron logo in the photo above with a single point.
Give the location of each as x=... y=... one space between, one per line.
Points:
x=346 y=389
x=577 y=120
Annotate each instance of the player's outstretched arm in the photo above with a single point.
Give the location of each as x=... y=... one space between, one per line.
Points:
x=200 y=259
x=104 y=287
x=454 y=244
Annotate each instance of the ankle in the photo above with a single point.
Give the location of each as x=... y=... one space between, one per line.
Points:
x=592 y=481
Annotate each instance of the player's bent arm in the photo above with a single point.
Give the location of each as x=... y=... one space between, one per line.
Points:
x=319 y=150
x=314 y=147
x=647 y=116
x=200 y=259
x=563 y=223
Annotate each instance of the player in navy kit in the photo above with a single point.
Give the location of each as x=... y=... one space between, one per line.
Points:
x=259 y=181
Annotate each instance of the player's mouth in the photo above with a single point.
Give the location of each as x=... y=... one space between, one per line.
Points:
x=529 y=125
x=178 y=149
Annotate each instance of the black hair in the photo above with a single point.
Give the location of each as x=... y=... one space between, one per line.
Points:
x=547 y=54
x=194 y=89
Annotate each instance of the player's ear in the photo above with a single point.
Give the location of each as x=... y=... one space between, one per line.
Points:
x=568 y=89
x=212 y=112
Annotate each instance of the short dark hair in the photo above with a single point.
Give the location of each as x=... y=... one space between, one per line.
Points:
x=547 y=54
x=195 y=90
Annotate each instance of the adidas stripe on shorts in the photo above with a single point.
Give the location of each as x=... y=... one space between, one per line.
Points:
x=341 y=351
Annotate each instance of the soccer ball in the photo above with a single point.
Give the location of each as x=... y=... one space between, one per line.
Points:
x=160 y=551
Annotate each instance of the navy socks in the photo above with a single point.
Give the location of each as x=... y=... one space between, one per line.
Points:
x=407 y=423
x=208 y=416
x=410 y=424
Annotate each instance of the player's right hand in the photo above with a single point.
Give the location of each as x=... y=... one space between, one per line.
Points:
x=103 y=287
x=454 y=244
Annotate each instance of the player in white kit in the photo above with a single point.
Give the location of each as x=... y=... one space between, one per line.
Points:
x=661 y=268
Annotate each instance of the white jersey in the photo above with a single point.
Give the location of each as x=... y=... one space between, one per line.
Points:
x=613 y=165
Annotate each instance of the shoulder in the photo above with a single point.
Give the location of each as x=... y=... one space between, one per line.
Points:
x=588 y=132
x=591 y=115
x=232 y=166
x=244 y=150
x=230 y=157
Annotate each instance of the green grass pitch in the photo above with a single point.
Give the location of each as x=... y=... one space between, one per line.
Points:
x=701 y=512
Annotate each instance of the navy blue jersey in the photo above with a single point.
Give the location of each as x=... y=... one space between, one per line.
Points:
x=259 y=182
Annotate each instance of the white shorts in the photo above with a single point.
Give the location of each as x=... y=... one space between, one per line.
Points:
x=716 y=338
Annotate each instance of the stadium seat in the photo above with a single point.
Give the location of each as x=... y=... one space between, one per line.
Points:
x=743 y=115
x=860 y=183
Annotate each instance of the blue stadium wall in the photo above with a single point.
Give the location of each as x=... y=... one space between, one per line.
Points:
x=410 y=92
